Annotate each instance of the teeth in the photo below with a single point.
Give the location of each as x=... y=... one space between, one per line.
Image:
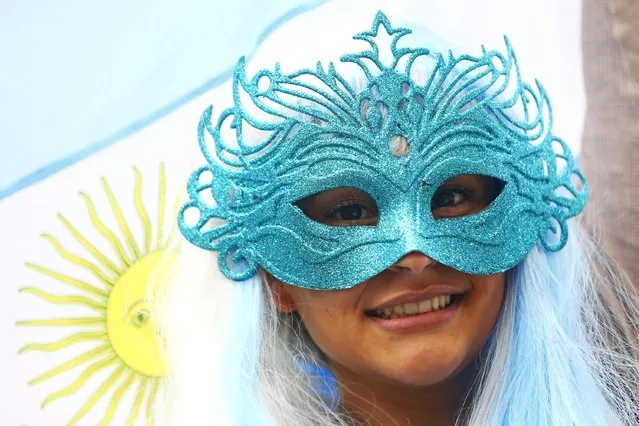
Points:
x=425 y=306
x=406 y=309
x=411 y=308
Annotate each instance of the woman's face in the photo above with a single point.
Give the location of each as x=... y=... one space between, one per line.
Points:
x=418 y=322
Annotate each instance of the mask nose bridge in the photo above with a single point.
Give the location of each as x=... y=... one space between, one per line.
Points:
x=410 y=218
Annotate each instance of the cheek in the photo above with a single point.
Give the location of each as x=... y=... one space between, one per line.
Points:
x=482 y=309
x=334 y=320
x=485 y=301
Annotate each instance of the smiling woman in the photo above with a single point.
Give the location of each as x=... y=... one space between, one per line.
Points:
x=390 y=240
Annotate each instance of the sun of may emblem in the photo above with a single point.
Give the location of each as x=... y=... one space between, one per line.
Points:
x=125 y=349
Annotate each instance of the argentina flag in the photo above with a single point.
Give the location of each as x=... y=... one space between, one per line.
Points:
x=99 y=105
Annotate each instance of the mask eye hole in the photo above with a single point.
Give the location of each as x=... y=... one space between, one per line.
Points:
x=465 y=195
x=343 y=206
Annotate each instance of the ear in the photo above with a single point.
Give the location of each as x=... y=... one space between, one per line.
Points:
x=283 y=298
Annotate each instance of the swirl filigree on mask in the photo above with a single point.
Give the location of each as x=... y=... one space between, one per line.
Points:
x=289 y=136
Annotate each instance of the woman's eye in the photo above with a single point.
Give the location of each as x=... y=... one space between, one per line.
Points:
x=465 y=195
x=352 y=211
x=447 y=198
x=342 y=206
x=455 y=201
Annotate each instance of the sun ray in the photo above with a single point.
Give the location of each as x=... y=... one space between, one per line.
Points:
x=135 y=409
x=71 y=364
x=97 y=395
x=149 y=402
x=106 y=232
x=171 y=239
x=89 y=247
x=65 y=342
x=142 y=213
x=161 y=205
x=178 y=202
x=81 y=380
x=65 y=300
x=117 y=397
x=55 y=322
x=119 y=217
x=80 y=285
x=91 y=267
x=173 y=232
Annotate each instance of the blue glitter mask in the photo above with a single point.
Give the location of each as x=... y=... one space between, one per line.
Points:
x=471 y=116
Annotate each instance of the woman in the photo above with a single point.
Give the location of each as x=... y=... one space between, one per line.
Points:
x=389 y=241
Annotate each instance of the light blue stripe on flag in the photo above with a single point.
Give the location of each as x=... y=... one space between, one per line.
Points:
x=78 y=76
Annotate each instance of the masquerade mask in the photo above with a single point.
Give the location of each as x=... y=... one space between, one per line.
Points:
x=470 y=116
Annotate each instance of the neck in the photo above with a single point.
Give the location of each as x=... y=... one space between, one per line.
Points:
x=392 y=404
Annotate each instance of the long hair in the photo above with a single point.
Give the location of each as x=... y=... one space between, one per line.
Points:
x=563 y=351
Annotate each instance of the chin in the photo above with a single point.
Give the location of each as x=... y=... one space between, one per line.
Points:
x=429 y=375
x=426 y=369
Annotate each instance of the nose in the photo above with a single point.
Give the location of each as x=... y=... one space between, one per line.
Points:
x=413 y=262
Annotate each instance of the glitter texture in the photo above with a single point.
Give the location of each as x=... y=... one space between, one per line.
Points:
x=473 y=115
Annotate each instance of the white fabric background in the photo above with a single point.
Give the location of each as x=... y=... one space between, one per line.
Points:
x=546 y=38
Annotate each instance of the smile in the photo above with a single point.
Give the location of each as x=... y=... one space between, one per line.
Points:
x=436 y=303
x=415 y=308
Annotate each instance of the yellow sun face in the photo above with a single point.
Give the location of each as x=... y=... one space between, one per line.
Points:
x=123 y=329
x=130 y=325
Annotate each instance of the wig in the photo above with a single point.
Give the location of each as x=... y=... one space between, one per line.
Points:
x=563 y=351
